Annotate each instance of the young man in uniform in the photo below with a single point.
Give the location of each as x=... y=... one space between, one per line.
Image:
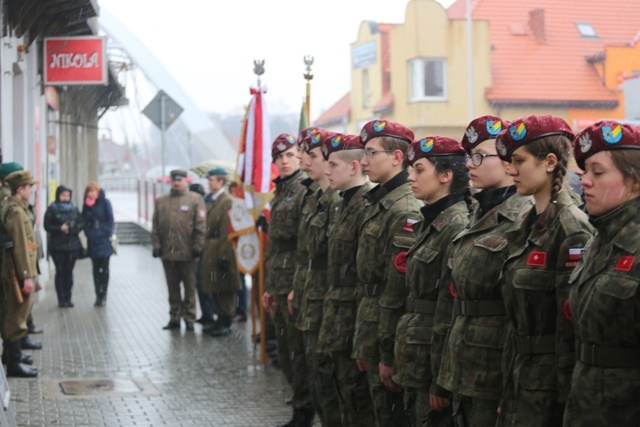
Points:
x=220 y=275
x=317 y=214
x=19 y=271
x=385 y=237
x=335 y=339
x=281 y=261
x=177 y=236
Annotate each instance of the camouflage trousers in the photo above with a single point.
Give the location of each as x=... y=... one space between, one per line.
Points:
x=473 y=412
x=291 y=354
x=388 y=407
x=531 y=408
x=420 y=414
x=323 y=387
x=353 y=390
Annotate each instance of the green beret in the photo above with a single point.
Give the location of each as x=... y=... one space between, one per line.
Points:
x=217 y=171
x=7 y=168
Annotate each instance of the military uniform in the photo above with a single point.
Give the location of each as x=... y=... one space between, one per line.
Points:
x=385 y=237
x=472 y=353
x=420 y=335
x=605 y=307
x=318 y=222
x=220 y=275
x=281 y=262
x=341 y=306
x=539 y=355
x=178 y=232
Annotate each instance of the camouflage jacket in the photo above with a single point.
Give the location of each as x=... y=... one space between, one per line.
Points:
x=472 y=353
x=316 y=246
x=342 y=298
x=281 y=239
x=385 y=237
x=605 y=308
x=419 y=336
x=540 y=352
x=308 y=202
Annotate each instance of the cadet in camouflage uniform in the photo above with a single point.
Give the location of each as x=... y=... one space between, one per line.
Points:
x=335 y=338
x=439 y=178
x=177 y=236
x=604 y=297
x=539 y=354
x=472 y=354
x=19 y=263
x=386 y=235
x=317 y=220
x=281 y=260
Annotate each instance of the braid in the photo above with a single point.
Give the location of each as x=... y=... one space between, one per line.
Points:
x=560 y=146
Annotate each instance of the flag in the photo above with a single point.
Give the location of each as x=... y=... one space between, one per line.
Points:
x=304 y=120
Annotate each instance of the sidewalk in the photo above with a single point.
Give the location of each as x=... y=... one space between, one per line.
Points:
x=147 y=376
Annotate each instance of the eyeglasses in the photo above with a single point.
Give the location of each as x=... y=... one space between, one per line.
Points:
x=370 y=153
x=477 y=158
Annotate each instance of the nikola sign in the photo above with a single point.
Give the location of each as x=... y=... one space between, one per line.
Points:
x=75 y=61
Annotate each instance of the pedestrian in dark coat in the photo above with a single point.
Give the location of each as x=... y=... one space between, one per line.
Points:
x=98 y=227
x=63 y=222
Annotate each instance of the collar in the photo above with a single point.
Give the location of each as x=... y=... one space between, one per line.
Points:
x=348 y=194
x=490 y=198
x=431 y=212
x=612 y=224
x=215 y=196
x=379 y=191
x=280 y=181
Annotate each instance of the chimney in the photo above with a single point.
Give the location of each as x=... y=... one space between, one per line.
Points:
x=536 y=24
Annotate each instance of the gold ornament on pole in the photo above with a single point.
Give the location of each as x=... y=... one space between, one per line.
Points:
x=308 y=76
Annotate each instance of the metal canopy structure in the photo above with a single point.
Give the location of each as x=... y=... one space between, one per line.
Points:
x=206 y=139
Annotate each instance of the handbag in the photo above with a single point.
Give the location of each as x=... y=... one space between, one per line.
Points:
x=114 y=244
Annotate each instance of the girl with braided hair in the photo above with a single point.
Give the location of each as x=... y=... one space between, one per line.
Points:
x=538 y=357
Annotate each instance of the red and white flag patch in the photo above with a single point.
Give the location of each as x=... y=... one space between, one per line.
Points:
x=537 y=259
x=625 y=263
x=409 y=225
x=574 y=257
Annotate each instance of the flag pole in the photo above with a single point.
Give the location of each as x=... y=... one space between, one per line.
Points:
x=308 y=76
x=258 y=70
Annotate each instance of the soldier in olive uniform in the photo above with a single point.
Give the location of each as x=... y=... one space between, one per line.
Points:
x=472 y=355
x=19 y=271
x=220 y=275
x=281 y=259
x=316 y=220
x=440 y=178
x=386 y=235
x=341 y=301
x=604 y=298
x=177 y=237
x=539 y=354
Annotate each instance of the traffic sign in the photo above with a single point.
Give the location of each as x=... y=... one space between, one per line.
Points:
x=154 y=109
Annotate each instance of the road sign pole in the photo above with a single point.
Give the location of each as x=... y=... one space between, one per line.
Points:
x=163 y=128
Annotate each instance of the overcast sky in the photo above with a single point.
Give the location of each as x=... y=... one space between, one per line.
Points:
x=209 y=46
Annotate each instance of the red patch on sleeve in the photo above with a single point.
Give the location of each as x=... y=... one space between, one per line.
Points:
x=452 y=289
x=400 y=262
x=566 y=310
x=537 y=259
x=625 y=263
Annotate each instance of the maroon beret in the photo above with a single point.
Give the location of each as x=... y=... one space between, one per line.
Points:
x=605 y=135
x=527 y=129
x=316 y=138
x=340 y=142
x=481 y=129
x=304 y=133
x=432 y=146
x=282 y=143
x=376 y=128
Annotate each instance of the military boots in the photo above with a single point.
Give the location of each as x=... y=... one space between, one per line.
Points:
x=15 y=367
x=302 y=417
x=221 y=327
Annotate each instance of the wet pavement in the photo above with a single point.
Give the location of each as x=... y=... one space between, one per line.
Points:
x=116 y=366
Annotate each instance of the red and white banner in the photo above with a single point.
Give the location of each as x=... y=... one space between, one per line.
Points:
x=75 y=61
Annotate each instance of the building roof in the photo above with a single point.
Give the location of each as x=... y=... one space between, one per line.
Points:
x=538 y=53
x=337 y=113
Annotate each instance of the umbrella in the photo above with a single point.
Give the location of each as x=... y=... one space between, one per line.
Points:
x=202 y=168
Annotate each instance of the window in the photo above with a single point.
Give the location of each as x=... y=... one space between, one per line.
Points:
x=586 y=30
x=366 y=93
x=427 y=79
